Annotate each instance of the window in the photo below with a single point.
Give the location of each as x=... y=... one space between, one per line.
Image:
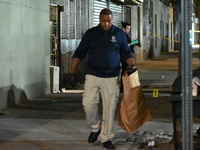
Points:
x=116 y=10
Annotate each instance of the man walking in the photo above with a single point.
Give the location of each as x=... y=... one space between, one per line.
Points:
x=104 y=46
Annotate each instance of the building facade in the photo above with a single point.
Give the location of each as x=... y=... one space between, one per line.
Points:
x=39 y=35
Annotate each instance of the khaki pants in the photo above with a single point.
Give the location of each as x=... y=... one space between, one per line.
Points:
x=109 y=90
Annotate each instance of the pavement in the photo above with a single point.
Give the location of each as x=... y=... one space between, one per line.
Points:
x=57 y=121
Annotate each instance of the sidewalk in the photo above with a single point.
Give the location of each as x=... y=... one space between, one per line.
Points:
x=57 y=121
x=161 y=72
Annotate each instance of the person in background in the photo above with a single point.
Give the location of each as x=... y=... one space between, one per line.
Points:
x=126 y=27
x=104 y=45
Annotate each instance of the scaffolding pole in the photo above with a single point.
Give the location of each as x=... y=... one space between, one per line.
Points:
x=186 y=61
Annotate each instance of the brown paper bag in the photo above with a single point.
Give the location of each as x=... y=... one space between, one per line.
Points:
x=133 y=110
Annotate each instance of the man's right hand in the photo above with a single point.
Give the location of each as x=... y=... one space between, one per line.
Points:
x=131 y=69
x=72 y=79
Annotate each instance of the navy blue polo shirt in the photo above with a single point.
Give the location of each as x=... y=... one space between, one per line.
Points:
x=103 y=50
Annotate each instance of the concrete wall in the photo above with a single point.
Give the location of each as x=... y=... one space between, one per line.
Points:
x=171 y=29
x=161 y=10
x=24 y=50
x=157 y=11
x=152 y=30
x=137 y=16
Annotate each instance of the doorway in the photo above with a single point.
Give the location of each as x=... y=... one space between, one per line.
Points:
x=55 y=55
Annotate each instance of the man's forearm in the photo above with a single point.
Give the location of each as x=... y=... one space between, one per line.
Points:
x=74 y=65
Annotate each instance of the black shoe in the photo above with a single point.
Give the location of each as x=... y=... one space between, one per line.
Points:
x=93 y=136
x=108 y=145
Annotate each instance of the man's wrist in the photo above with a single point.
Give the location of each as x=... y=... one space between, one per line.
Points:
x=133 y=65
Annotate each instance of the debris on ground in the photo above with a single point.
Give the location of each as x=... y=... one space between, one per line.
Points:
x=150 y=140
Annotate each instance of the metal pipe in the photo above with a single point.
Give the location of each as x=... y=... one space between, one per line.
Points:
x=187 y=109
